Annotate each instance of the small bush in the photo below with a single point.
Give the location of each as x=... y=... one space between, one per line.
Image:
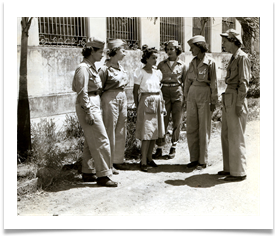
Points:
x=72 y=127
x=254 y=83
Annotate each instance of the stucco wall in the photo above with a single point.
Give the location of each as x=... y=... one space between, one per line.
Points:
x=51 y=70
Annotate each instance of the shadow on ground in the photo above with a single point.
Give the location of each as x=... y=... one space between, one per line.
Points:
x=199 y=181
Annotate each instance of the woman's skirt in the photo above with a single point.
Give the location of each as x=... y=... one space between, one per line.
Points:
x=150 y=121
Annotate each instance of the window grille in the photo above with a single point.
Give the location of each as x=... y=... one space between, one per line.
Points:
x=62 y=31
x=198 y=29
x=171 y=28
x=125 y=28
x=228 y=23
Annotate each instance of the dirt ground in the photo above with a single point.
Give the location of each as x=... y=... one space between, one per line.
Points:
x=170 y=189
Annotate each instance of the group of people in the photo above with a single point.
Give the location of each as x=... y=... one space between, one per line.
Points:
x=160 y=92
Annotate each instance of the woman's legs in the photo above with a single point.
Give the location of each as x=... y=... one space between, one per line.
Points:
x=144 y=151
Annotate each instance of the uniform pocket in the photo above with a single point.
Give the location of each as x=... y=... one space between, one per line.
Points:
x=150 y=105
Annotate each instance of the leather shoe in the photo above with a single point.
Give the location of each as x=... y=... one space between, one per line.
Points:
x=143 y=168
x=172 y=153
x=223 y=173
x=201 y=166
x=115 y=171
x=231 y=178
x=192 y=164
x=152 y=163
x=158 y=154
x=89 y=177
x=122 y=166
x=106 y=181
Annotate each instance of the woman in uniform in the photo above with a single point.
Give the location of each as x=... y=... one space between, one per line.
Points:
x=114 y=101
x=149 y=103
x=235 y=109
x=174 y=72
x=201 y=97
x=87 y=84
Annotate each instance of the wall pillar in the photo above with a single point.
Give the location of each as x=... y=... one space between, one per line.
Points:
x=149 y=32
x=97 y=27
x=216 y=30
x=187 y=35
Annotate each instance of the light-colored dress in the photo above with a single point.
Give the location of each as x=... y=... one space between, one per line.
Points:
x=150 y=121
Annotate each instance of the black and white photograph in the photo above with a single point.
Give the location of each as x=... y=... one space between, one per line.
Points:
x=137 y=122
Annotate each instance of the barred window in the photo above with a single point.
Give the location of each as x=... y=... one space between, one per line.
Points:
x=201 y=26
x=171 y=28
x=125 y=28
x=62 y=31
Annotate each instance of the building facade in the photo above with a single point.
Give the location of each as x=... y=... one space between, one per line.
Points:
x=55 y=45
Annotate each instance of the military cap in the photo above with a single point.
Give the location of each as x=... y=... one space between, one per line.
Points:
x=96 y=43
x=196 y=39
x=173 y=42
x=115 y=43
x=231 y=33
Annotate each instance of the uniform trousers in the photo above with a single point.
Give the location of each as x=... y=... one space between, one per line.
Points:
x=232 y=134
x=198 y=122
x=97 y=145
x=114 y=106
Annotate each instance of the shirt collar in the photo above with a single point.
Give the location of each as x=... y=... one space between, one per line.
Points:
x=89 y=63
x=177 y=60
x=237 y=53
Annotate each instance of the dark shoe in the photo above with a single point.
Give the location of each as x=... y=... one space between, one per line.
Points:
x=121 y=166
x=106 y=181
x=231 y=178
x=158 y=154
x=172 y=152
x=89 y=177
x=201 y=166
x=143 y=168
x=223 y=173
x=115 y=171
x=152 y=163
x=192 y=164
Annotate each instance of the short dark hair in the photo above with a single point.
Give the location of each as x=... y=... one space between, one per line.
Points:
x=87 y=51
x=147 y=53
x=202 y=46
x=177 y=48
x=233 y=40
x=112 y=52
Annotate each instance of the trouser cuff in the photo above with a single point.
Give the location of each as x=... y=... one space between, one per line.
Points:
x=104 y=173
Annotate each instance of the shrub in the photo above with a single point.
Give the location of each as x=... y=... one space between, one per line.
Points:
x=45 y=151
x=72 y=127
x=254 y=83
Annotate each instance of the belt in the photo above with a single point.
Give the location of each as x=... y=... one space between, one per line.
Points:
x=203 y=84
x=94 y=93
x=151 y=93
x=232 y=87
x=170 y=84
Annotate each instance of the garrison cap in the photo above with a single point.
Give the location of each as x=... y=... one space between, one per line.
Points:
x=115 y=43
x=196 y=39
x=231 y=33
x=95 y=43
x=173 y=42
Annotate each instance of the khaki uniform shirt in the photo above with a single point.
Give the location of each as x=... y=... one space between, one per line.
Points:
x=238 y=75
x=205 y=72
x=173 y=74
x=86 y=79
x=113 y=78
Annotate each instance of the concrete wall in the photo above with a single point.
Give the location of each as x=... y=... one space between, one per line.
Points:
x=51 y=70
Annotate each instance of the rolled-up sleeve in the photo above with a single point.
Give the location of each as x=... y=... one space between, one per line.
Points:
x=184 y=73
x=80 y=86
x=213 y=84
x=244 y=78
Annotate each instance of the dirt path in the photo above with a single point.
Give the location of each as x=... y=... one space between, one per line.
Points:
x=170 y=189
